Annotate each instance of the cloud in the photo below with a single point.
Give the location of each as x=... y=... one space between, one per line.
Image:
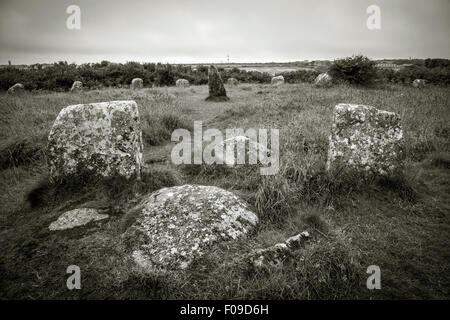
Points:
x=195 y=30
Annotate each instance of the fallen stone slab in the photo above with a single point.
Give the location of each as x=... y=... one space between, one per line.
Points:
x=274 y=256
x=75 y=218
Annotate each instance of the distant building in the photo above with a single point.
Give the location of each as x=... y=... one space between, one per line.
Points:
x=391 y=66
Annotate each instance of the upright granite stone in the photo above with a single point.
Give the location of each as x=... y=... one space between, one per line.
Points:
x=419 y=83
x=175 y=225
x=323 y=80
x=366 y=139
x=278 y=80
x=103 y=138
x=17 y=88
x=182 y=83
x=232 y=82
x=217 y=90
x=76 y=86
x=137 y=83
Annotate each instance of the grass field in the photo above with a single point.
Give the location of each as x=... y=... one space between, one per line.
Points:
x=400 y=224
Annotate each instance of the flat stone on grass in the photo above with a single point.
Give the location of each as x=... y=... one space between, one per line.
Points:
x=75 y=218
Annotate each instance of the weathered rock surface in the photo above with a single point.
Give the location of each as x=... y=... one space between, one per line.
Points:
x=76 y=86
x=323 y=80
x=104 y=138
x=232 y=82
x=419 y=83
x=137 y=83
x=273 y=257
x=366 y=139
x=75 y=218
x=217 y=90
x=182 y=83
x=178 y=224
x=17 y=88
x=278 y=80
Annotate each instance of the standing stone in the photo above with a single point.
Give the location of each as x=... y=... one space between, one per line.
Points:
x=76 y=86
x=232 y=82
x=176 y=225
x=276 y=81
x=137 y=83
x=366 y=139
x=323 y=80
x=419 y=83
x=217 y=90
x=17 y=88
x=103 y=138
x=182 y=83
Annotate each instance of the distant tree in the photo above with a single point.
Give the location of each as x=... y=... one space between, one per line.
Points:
x=358 y=70
x=437 y=63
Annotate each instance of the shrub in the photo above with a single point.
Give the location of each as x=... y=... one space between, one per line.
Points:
x=358 y=70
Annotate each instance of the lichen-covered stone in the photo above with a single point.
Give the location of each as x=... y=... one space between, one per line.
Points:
x=178 y=224
x=17 y=88
x=75 y=218
x=273 y=257
x=278 y=80
x=182 y=83
x=217 y=90
x=419 y=83
x=76 y=86
x=232 y=82
x=137 y=83
x=366 y=139
x=104 y=138
x=323 y=80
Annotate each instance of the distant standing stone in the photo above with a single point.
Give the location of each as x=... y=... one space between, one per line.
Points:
x=182 y=83
x=278 y=80
x=176 y=225
x=137 y=83
x=232 y=82
x=17 y=88
x=76 y=86
x=323 y=80
x=217 y=90
x=419 y=83
x=75 y=218
x=103 y=138
x=366 y=139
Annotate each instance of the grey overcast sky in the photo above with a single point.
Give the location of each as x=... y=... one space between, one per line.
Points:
x=192 y=31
